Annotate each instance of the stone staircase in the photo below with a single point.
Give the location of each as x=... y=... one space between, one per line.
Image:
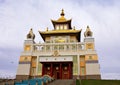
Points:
x=63 y=82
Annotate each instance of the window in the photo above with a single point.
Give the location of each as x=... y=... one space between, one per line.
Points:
x=57 y=27
x=61 y=27
x=65 y=27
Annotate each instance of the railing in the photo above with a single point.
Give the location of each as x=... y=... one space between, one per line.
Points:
x=48 y=47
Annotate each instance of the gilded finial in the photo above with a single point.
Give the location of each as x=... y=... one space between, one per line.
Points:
x=62 y=18
x=47 y=29
x=62 y=13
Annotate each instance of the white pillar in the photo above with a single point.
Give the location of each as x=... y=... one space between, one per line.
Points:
x=78 y=60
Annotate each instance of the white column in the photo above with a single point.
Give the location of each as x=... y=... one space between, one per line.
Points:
x=78 y=60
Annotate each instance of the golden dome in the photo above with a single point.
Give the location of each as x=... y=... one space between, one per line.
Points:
x=62 y=18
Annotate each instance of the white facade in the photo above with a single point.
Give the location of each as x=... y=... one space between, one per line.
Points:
x=23 y=69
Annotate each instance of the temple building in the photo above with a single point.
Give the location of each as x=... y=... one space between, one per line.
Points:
x=62 y=55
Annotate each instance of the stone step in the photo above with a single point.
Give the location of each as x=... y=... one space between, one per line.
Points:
x=63 y=82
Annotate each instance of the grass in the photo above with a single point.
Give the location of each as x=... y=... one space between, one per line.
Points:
x=98 y=82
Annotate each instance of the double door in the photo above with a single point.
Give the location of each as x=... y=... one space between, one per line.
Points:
x=58 y=70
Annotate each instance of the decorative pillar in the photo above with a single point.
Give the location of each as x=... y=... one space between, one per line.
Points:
x=42 y=69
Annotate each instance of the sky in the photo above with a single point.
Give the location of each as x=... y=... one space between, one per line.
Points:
x=17 y=17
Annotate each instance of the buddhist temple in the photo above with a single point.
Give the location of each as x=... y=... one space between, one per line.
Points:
x=62 y=55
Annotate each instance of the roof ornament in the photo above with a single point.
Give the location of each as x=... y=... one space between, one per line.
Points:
x=88 y=32
x=62 y=18
x=62 y=13
x=31 y=35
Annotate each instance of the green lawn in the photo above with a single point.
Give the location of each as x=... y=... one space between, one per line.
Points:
x=98 y=82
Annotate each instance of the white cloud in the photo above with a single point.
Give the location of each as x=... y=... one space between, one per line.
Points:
x=112 y=76
x=17 y=17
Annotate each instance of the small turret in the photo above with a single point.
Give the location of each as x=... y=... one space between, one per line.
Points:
x=31 y=35
x=88 y=32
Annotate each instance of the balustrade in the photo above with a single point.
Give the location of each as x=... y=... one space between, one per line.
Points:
x=47 y=47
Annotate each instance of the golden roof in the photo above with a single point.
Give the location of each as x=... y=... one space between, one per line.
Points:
x=60 y=32
x=57 y=32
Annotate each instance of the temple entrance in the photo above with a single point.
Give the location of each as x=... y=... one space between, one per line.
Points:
x=58 y=70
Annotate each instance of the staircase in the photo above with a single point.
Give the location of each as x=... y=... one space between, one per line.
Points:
x=63 y=82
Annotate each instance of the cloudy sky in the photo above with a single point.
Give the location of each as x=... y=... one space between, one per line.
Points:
x=18 y=16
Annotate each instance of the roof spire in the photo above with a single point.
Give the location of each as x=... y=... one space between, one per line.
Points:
x=62 y=13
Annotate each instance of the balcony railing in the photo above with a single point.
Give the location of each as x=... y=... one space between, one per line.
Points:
x=48 y=47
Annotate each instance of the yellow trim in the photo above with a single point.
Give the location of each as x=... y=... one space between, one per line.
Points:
x=59 y=31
